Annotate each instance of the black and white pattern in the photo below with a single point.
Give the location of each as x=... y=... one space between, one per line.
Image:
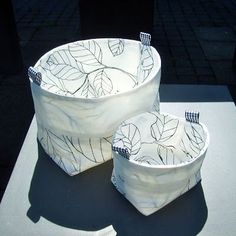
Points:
x=146 y=62
x=169 y=152
x=73 y=154
x=122 y=151
x=35 y=75
x=159 y=139
x=91 y=68
x=128 y=137
x=116 y=46
x=192 y=116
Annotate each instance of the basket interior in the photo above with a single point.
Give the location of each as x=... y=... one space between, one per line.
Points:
x=160 y=140
x=96 y=68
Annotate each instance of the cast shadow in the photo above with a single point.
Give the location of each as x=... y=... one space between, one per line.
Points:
x=89 y=202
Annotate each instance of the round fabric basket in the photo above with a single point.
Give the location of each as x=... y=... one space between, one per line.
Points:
x=83 y=90
x=157 y=158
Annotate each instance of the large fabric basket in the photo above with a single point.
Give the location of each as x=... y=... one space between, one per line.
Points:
x=85 y=90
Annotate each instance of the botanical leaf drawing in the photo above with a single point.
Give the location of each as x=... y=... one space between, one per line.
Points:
x=128 y=136
x=87 y=90
x=105 y=146
x=193 y=141
x=62 y=66
x=72 y=154
x=95 y=150
x=60 y=151
x=67 y=76
x=148 y=160
x=164 y=128
x=88 y=53
x=116 y=46
x=78 y=70
x=102 y=83
x=195 y=137
x=62 y=57
x=146 y=63
x=185 y=149
x=166 y=155
x=96 y=85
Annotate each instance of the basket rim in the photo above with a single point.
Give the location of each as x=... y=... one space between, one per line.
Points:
x=156 y=71
x=180 y=165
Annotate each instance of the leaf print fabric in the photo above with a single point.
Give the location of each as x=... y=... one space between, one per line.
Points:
x=166 y=141
x=128 y=136
x=166 y=163
x=87 y=53
x=75 y=111
x=146 y=63
x=78 y=69
x=164 y=128
x=116 y=46
x=72 y=154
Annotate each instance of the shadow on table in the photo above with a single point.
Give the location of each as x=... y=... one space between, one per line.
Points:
x=89 y=202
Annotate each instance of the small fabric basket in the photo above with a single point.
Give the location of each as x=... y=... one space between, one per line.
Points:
x=157 y=158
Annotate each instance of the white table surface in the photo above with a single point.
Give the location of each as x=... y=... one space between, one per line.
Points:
x=41 y=200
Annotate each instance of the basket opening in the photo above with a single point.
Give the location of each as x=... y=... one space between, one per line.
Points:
x=97 y=67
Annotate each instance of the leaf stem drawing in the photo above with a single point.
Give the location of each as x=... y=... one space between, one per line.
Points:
x=79 y=69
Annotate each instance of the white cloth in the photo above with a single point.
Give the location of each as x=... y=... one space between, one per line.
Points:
x=88 y=88
x=166 y=154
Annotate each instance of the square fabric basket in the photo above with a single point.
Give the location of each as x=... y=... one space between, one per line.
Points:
x=83 y=90
x=157 y=158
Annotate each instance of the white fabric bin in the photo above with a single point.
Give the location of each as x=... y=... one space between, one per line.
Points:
x=86 y=89
x=157 y=157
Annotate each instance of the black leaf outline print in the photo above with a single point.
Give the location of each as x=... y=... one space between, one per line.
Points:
x=87 y=90
x=65 y=71
x=87 y=53
x=80 y=148
x=185 y=150
x=98 y=85
x=62 y=65
x=195 y=141
x=102 y=83
x=166 y=155
x=146 y=63
x=102 y=141
x=164 y=128
x=116 y=46
x=128 y=136
x=57 y=147
x=78 y=70
x=108 y=139
x=148 y=160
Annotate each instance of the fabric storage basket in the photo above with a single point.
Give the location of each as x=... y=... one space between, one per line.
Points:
x=157 y=157
x=83 y=90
